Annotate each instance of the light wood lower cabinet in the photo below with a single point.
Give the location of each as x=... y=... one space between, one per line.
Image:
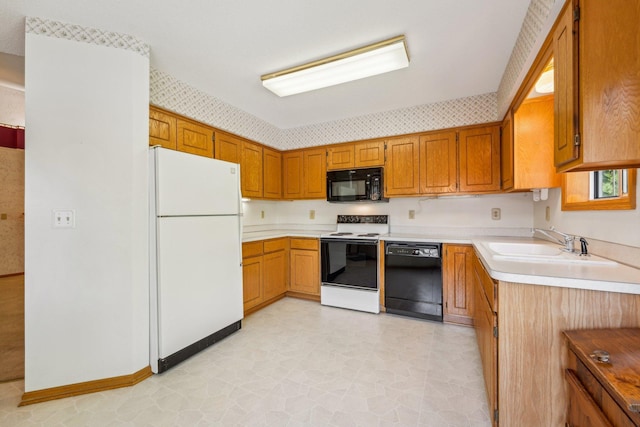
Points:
x=264 y=272
x=305 y=267
x=457 y=280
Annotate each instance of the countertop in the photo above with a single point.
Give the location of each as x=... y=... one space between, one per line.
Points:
x=617 y=278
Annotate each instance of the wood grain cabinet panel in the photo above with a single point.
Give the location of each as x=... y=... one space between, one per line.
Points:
x=272 y=172
x=315 y=173
x=369 y=154
x=163 y=128
x=438 y=163
x=228 y=148
x=304 y=266
x=506 y=153
x=457 y=276
x=252 y=271
x=402 y=171
x=275 y=274
x=340 y=157
x=194 y=138
x=292 y=174
x=598 y=86
x=251 y=170
x=479 y=160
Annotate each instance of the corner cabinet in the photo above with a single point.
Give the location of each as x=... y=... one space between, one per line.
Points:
x=597 y=85
x=458 y=289
x=264 y=272
x=272 y=173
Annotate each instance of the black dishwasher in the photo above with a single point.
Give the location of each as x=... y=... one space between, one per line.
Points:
x=413 y=279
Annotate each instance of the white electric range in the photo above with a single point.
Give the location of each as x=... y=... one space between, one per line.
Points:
x=349 y=263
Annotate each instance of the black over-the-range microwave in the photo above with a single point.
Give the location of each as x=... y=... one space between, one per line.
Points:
x=356 y=185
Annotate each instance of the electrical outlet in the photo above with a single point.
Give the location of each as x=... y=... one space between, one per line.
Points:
x=262 y=214
x=495 y=214
x=312 y=214
x=412 y=214
x=64 y=219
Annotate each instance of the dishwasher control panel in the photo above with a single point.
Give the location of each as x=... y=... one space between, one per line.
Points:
x=415 y=250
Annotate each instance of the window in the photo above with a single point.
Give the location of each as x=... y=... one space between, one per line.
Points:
x=599 y=190
x=610 y=183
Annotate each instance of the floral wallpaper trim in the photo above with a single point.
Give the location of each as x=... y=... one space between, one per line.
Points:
x=78 y=33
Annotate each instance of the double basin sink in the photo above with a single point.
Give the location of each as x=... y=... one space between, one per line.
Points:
x=541 y=252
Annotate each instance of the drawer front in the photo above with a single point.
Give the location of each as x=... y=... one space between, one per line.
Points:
x=275 y=245
x=583 y=410
x=250 y=249
x=309 y=244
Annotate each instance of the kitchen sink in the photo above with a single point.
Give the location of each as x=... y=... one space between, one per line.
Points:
x=541 y=253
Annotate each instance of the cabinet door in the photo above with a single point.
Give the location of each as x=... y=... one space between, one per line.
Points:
x=565 y=90
x=275 y=274
x=252 y=270
x=438 y=163
x=341 y=157
x=305 y=272
x=479 y=162
x=485 y=321
x=458 y=282
x=194 y=138
x=272 y=168
x=162 y=129
x=228 y=148
x=369 y=154
x=402 y=167
x=315 y=173
x=251 y=169
x=506 y=152
x=292 y=168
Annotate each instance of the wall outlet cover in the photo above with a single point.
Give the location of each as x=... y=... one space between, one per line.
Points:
x=495 y=214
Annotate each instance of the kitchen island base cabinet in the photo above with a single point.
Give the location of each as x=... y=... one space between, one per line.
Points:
x=305 y=269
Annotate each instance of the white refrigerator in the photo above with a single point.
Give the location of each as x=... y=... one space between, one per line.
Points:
x=196 y=254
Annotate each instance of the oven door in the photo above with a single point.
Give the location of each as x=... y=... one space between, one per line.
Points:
x=349 y=263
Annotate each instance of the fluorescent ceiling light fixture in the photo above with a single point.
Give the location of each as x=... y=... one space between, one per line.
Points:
x=367 y=61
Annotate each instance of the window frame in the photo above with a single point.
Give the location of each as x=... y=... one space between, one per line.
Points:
x=577 y=189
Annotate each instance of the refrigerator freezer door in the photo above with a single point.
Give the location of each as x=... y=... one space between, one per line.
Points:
x=195 y=185
x=199 y=287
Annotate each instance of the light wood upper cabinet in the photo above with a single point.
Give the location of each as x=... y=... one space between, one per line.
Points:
x=458 y=289
x=438 y=163
x=369 y=154
x=228 y=148
x=194 y=138
x=506 y=152
x=315 y=173
x=251 y=170
x=597 y=86
x=340 y=157
x=402 y=171
x=533 y=145
x=479 y=159
x=292 y=173
x=163 y=129
x=272 y=172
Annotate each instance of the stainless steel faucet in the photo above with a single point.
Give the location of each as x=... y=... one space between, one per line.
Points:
x=566 y=241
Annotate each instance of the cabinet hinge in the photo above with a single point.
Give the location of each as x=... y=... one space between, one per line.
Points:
x=495 y=415
x=576 y=14
x=495 y=331
x=576 y=140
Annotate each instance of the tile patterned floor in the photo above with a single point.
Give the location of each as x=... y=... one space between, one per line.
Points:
x=295 y=363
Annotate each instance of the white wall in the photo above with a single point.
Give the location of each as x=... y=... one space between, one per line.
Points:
x=621 y=227
x=11 y=106
x=86 y=290
x=445 y=212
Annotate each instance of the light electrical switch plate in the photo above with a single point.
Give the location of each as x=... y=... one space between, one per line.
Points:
x=262 y=214
x=64 y=218
x=412 y=214
x=495 y=214
x=547 y=213
x=312 y=214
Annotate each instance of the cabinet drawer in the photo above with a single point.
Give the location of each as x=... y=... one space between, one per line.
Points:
x=583 y=410
x=275 y=245
x=309 y=244
x=250 y=249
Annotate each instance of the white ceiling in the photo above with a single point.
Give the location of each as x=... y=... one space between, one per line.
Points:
x=457 y=48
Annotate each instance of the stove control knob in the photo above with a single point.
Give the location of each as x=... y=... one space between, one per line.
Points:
x=416 y=252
